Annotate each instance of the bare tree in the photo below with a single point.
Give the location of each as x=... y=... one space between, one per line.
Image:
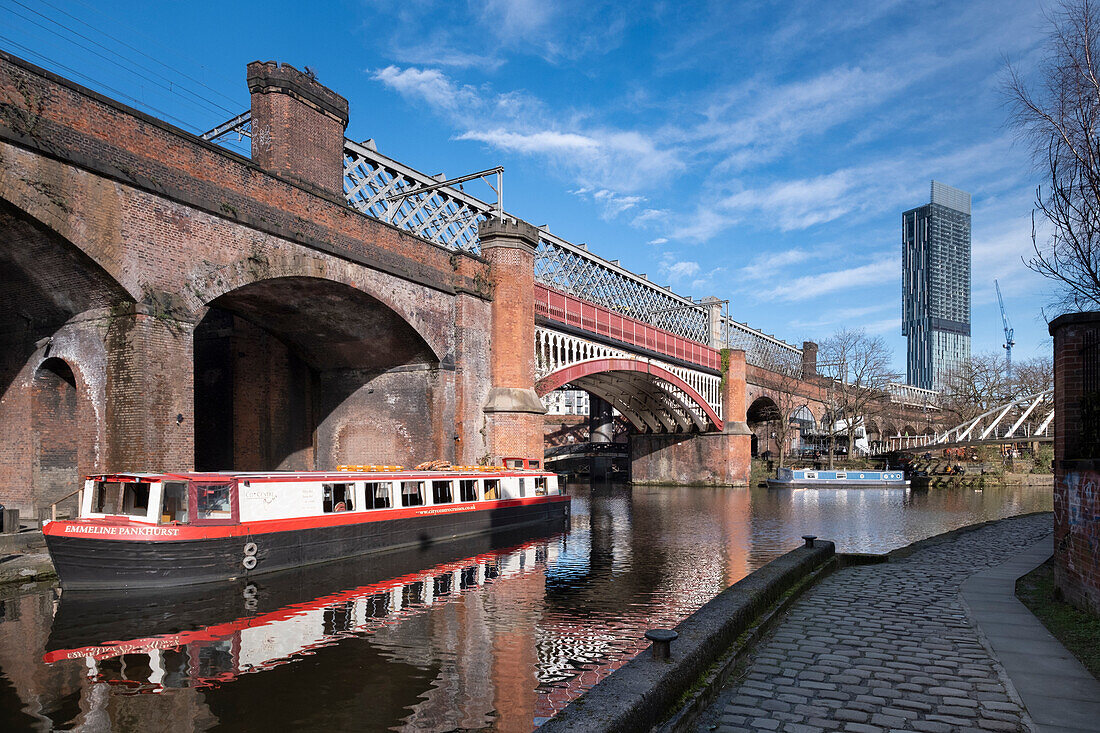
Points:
x=860 y=367
x=1032 y=376
x=975 y=386
x=782 y=379
x=1060 y=117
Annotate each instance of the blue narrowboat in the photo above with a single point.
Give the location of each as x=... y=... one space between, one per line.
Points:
x=809 y=478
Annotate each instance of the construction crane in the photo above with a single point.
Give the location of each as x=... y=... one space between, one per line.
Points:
x=1009 y=343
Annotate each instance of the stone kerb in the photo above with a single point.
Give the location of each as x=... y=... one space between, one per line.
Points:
x=640 y=693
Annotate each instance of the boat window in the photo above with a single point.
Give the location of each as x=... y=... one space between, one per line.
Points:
x=338 y=498
x=412 y=493
x=412 y=594
x=467 y=490
x=533 y=463
x=214 y=501
x=175 y=503
x=378 y=493
x=378 y=605
x=442 y=493
x=540 y=486
x=523 y=487
x=492 y=489
x=513 y=462
x=121 y=497
x=135 y=499
x=468 y=577
x=99 y=497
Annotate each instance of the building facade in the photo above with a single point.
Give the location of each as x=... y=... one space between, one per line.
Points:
x=566 y=402
x=935 y=314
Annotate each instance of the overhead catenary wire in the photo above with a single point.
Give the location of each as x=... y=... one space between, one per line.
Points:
x=171 y=86
x=93 y=82
x=132 y=64
x=154 y=59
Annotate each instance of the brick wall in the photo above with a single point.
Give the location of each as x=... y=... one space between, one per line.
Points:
x=702 y=459
x=135 y=227
x=1077 y=457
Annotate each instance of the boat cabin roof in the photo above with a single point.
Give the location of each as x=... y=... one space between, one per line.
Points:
x=333 y=476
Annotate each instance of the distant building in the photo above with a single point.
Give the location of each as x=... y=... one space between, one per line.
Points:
x=566 y=402
x=935 y=288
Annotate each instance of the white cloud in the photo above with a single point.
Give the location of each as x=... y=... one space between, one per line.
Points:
x=681 y=270
x=886 y=325
x=619 y=160
x=428 y=85
x=873 y=274
x=842 y=316
x=542 y=141
x=767 y=266
x=659 y=240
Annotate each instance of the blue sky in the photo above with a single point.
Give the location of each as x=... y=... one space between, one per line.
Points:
x=760 y=151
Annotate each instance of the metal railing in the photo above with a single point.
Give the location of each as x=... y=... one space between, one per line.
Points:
x=390 y=191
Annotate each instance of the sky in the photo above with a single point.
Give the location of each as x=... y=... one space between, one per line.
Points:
x=756 y=151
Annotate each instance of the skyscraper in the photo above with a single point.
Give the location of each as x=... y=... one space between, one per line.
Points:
x=935 y=287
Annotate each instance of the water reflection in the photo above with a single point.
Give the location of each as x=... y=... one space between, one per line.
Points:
x=459 y=636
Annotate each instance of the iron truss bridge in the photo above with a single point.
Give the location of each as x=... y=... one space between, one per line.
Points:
x=1024 y=420
x=439 y=211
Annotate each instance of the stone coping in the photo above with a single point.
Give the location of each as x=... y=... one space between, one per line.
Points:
x=640 y=693
x=1073 y=319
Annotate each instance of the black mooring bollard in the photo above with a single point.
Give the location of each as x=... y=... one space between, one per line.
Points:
x=662 y=642
x=809 y=540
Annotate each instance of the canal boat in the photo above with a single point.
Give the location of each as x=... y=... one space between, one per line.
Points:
x=155 y=530
x=840 y=479
x=189 y=637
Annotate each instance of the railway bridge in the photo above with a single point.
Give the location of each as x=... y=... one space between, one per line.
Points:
x=168 y=304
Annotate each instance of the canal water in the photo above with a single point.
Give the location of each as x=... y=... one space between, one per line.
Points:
x=473 y=636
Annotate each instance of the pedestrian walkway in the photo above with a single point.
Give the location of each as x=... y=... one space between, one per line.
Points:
x=1060 y=695
x=887 y=647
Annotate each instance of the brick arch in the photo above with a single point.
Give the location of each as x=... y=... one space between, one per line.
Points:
x=56 y=425
x=762 y=409
x=298 y=373
x=86 y=239
x=418 y=306
x=642 y=376
x=58 y=305
x=331 y=323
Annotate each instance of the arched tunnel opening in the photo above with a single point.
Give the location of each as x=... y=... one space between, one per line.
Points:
x=55 y=304
x=761 y=417
x=584 y=435
x=303 y=373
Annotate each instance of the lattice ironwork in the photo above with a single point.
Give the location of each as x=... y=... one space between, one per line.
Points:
x=448 y=216
x=762 y=350
x=572 y=269
x=444 y=215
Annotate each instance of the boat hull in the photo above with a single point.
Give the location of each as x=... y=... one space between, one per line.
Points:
x=805 y=478
x=92 y=563
x=835 y=484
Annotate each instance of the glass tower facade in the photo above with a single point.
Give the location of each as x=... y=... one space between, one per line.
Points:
x=935 y=287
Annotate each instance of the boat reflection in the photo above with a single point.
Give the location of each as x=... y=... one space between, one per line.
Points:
x=205 y=637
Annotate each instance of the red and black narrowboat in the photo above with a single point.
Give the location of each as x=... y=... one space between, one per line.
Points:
x=150 y=530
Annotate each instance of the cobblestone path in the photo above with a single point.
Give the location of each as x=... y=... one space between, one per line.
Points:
x=884 y=647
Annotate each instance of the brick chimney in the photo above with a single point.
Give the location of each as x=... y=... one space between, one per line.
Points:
x=809 y=358
x=297 y=126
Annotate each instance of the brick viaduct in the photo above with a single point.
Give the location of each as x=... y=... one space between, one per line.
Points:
x=166 y=304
